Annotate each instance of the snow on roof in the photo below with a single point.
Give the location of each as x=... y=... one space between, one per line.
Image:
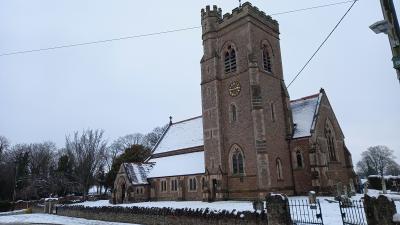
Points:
x=180 y=135
x=304 y=114
x=137 y=173
x=175 y=165
x=189 y=133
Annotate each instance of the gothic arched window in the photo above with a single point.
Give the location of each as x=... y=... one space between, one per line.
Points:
x=233 y=113
x=279 y=169
x=299 y=159
x=330 y=139
x=266 y=59
x=230 y=60
x=237 y=161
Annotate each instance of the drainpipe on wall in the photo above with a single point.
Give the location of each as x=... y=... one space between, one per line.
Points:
x=291 y=166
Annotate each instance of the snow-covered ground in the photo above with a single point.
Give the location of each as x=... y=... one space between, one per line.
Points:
x=330 y=211
x=52 y=219
x=12 y=212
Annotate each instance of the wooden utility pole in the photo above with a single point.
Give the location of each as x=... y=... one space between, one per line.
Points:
x=390 y=26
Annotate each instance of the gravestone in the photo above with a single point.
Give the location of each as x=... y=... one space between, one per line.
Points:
x=278 y=211
x=258 y=205
x=312 y=199
x=380 y=210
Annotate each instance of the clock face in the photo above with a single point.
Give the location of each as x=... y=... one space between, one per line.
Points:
x=234 y=88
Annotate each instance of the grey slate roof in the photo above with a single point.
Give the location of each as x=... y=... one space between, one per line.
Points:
x=137 y=173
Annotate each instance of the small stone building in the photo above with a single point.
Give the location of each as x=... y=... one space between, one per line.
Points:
x=251 y=139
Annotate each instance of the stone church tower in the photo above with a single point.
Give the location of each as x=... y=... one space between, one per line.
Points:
x=245 y=105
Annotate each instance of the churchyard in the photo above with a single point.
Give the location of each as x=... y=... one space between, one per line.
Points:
x=277 y=209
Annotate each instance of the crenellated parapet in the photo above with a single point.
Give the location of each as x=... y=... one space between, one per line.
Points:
x=214 y=12
x=214 y=16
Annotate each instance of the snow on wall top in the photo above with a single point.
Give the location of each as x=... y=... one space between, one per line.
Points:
x=180 y=135
x=304 y=114
x=183 y=164
x=137 y=173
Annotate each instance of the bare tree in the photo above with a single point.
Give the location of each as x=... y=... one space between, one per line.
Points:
x=33 y=165
x=151 y=139
x=377 y=159
x=42 y=159
x=7 y=170
x=393 y=169
x=122 y=143
x=4 y=144
x=127 y=141
x=87 y=151
x=364 y=168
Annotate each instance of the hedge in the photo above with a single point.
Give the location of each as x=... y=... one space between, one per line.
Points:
x=5 y=206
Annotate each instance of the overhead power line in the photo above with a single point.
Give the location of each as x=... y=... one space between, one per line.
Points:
x=314 y=7
x=322 y=44
x=101 y=41
x=155 y=33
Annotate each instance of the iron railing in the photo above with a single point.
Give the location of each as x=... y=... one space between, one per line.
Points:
x=352 y=212
x=302 y=212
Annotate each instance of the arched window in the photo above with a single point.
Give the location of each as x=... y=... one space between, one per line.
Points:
x=330 y=139
x=266 y=59
x=192 y=184
x=299 y=159
x=237 y=161
x=279 y=169
x=233 y=113
x=230 y=60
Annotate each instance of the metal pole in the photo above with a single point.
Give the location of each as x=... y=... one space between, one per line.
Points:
x=389 y=14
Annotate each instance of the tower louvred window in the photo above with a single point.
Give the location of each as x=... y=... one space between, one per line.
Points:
x=230 y=60
x=279 y=169
x=233 y=113
x=266 y=59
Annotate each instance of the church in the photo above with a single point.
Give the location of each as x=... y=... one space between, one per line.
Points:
x=251 y=138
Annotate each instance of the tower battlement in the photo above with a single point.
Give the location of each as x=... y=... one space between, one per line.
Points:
x=246 y=9
x=214 y=12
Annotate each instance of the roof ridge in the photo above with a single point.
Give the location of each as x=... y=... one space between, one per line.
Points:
x=182 y=121
x=137 y=163
x=306 y=97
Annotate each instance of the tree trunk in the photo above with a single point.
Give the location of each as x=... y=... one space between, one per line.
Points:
x=384 y=191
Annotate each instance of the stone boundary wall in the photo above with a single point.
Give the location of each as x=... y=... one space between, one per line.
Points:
x=164 y=216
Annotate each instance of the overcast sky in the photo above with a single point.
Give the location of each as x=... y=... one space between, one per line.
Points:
x=135 y=85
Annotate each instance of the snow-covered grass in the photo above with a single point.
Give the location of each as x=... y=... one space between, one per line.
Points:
x=12 y=212
x=51 y=219
x=330 y=209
